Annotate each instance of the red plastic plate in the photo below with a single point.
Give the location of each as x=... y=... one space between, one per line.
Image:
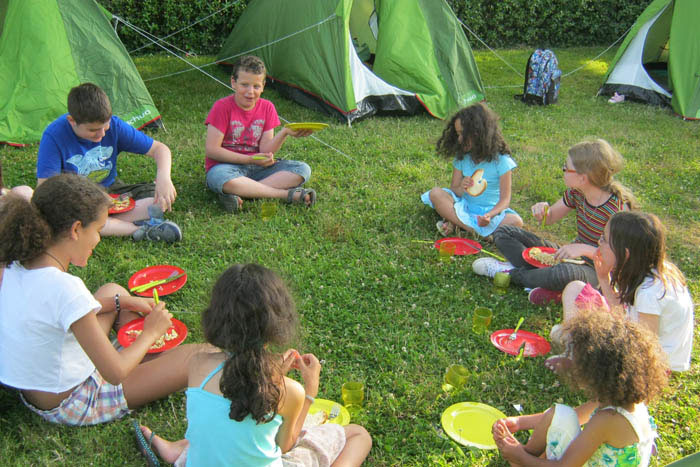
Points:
x=114 y=209
x=535 y=345
x=137 y=325
x=465 y=246
x=154 y=273
x=534 y=262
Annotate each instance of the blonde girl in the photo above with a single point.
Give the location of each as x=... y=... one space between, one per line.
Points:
x=594 y=195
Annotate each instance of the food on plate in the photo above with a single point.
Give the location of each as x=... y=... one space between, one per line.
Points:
x=169 y=335
x=542 y=257
x=118 y=203
x=316 y=418
x=479 y=183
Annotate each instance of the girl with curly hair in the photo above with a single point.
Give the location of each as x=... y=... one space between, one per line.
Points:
x=637 y=279
x=480 y=190
x=54 y=344
x=240 y=404
x=618 y=365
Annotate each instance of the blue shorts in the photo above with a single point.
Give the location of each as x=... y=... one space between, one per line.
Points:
x=222 y=173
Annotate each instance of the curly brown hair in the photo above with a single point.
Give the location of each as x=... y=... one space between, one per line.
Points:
x=615 y=361
x=250 y=64
x=481 y=135
x=30 y=227
x=250 y=308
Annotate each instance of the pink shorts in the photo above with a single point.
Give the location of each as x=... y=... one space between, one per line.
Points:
x=590 y=299
x=93 y=401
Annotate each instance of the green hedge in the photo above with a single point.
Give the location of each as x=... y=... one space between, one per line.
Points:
x=163 y=17
x=499 y=23
x=538 y=23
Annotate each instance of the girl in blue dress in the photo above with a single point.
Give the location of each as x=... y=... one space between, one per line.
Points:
x=480 y=191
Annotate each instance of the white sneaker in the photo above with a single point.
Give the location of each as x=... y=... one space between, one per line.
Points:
x=490 y=266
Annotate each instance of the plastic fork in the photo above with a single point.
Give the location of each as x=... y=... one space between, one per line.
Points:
x=513 y=335
x=335 y=411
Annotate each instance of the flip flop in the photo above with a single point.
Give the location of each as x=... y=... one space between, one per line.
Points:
x=145 y=446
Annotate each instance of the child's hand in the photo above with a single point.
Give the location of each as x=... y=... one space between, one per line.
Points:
x=484 y=220
x=157 y=321
x=467 y=182
x=601 y=269
x=572 y=250
x=539 y=210
x=263 y=159
x=290 y=360
x=140 y=305
x=298 y=133
x=310 y=369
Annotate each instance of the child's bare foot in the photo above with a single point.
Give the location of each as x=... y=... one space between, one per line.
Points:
x=169 y=451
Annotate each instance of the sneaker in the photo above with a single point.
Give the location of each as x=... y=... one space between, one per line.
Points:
x=231 y=203
x=166 y=231
x=541 y=296
x=616 y=98
x=490 y=266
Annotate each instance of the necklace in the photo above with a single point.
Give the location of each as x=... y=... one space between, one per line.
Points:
x=56 y=259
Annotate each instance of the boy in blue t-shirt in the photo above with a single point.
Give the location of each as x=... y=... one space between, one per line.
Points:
x=87 y=141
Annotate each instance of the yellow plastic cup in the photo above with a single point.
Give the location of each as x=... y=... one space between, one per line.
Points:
x=455 y=377
x=268 y=210
x=353 y=393
x=481 y=320
x=447 y=250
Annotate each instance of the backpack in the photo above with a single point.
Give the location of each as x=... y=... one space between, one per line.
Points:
x=542 y=78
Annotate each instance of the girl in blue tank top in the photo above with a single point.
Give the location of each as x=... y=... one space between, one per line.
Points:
x=242 y=409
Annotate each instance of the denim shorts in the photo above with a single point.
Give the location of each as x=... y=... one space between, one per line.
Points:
x=218 y=175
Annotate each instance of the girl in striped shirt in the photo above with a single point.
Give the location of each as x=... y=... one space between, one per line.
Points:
x=594 y=195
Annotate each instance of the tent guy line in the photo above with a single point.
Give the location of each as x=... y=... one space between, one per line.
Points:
x=148 y=36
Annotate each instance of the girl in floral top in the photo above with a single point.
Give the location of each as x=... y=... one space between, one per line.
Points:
x=618 y=364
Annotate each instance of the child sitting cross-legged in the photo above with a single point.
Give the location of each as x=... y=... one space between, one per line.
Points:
x=54 y=344
x=620 y=367
x=240 y=404
x=87 y=141
x=241 y=145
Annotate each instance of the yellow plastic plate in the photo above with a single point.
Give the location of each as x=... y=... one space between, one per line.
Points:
x=306 y=126
x=469 y=424
x=326 y=406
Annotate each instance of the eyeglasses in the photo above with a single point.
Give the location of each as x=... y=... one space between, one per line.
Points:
x=567 y=170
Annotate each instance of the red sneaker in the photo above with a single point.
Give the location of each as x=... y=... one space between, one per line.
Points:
x=541 y=296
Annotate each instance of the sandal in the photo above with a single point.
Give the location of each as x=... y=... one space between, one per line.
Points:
x=444 y=227
x=145 y=446
x=302 y=196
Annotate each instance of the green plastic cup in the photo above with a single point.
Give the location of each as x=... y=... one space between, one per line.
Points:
x=481 y=320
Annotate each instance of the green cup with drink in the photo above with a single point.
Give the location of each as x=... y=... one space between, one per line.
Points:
x=455 y=377
x=447 y=250
x=353 y=394
x=481 y=320
x=501 y=281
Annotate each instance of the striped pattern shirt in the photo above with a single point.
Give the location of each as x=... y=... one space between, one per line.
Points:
x=591 y=220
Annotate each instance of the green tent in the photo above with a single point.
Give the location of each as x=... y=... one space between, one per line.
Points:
x=49 y=46
x=354 y=58
x=659 y=60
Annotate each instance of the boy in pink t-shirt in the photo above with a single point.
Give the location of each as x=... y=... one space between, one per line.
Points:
x=241 y=142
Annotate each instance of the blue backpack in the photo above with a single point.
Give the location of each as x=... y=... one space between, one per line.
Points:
x=542 y=78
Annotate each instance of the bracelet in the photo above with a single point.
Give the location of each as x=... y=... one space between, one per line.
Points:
x=117 y=305
x=311 y=399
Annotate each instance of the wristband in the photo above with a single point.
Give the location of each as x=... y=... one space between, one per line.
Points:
x=117 y=305
x=311 y=399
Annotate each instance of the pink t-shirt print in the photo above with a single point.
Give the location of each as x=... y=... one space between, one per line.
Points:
x=244 y=140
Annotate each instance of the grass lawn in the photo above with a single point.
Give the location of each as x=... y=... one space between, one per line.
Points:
x=375 y=305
